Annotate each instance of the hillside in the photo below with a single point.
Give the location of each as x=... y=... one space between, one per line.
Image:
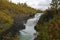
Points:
x=8 y=7
x=12 y=17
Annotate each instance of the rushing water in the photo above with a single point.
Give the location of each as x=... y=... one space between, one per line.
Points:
x=28 y=32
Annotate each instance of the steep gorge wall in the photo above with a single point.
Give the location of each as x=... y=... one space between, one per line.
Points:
x=48 y=26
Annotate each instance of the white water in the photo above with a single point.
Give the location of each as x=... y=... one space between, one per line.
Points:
x=28 y=33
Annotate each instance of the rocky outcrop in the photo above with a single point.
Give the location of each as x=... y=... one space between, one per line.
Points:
x=18 y=25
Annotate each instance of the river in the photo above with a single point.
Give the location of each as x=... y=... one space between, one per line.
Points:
x=29 y=33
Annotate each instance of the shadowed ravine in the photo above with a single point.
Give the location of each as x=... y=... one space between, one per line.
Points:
x=29 y=31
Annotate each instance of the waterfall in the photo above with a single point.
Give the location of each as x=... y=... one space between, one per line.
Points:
x=28 y=32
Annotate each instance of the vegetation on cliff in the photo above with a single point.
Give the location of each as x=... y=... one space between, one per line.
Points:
x=48 y=26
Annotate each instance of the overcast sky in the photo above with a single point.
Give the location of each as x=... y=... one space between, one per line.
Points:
x=38 y=4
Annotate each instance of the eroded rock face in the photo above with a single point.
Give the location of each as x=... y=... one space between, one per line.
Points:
x=19 y=21
x=18 y=25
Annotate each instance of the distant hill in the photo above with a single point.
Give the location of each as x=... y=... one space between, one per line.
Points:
x=9 y=7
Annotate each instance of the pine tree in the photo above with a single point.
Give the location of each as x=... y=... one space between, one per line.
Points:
x=55 y=4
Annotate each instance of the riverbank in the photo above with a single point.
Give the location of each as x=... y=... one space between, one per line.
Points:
x=48 y=26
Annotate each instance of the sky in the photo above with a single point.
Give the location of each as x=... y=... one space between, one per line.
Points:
x=38 y=4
